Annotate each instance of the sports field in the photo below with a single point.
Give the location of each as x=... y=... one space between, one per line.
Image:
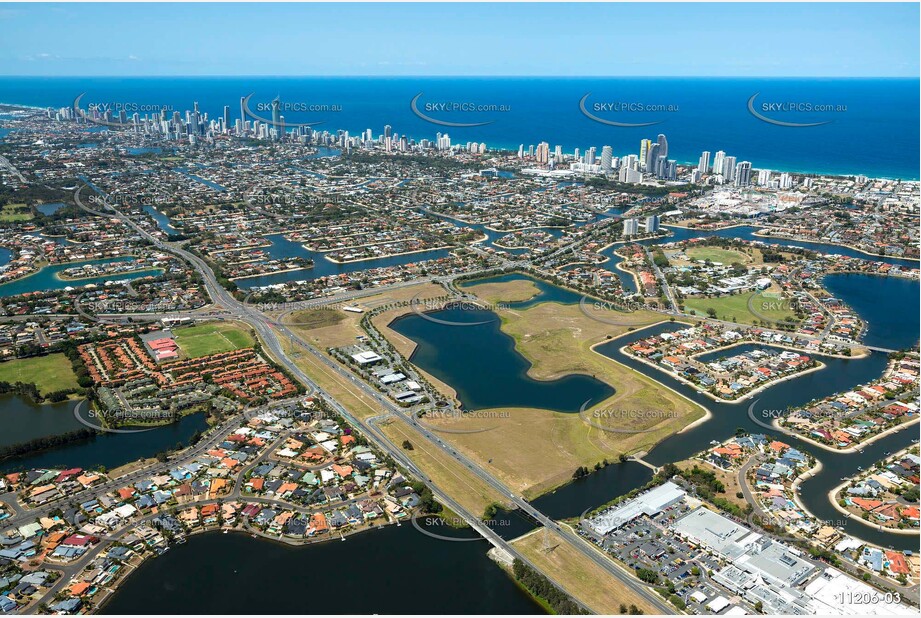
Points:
x=717 y=254
x=48 y=373
x=736 y=306
x=10 y=213
x=212 y=338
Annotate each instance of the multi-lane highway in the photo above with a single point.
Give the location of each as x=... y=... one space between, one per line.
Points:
x=249 y=314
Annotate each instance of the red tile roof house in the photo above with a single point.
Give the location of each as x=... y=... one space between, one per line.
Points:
x=897 y=563
x=79 y=540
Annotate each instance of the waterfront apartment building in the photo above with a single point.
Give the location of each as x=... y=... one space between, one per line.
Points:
x=718 y=162
x=645 y=145
x=743 y=174
x=703 y=165
x=606 y=156
x=652 y=224
x=729 y=169
x=631 y=227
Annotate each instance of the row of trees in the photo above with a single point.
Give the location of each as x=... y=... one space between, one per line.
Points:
x=543 y=588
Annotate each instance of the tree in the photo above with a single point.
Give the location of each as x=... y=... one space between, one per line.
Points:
x=407 y=445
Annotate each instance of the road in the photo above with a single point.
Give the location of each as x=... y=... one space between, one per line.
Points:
x=260 y=323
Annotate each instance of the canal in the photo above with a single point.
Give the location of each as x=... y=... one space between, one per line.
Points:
x=49 y=278
x=391 y=570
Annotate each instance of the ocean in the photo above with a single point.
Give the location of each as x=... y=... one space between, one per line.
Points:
x=871 y=125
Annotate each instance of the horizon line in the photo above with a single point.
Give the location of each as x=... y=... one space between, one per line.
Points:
x=475 y=76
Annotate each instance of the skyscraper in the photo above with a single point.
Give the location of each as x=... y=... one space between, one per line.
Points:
x=652 y=224
x=743 y=174
x=645 y=145
x=663 y=145
x=718 y=162
x=276 y=112
x=242 y=114
x=606 y=156
x=704 y=164
x=729 y=168
x=226 y=118
x=661 y=165
x=652 y=152
x=388 y=130
x=631 y=227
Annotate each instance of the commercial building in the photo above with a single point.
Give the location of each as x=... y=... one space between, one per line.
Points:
x=650 y=503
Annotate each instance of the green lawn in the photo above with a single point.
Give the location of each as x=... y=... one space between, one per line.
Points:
x=49 y=373
x=15 y=212
x=736 y=306
x=716 y=254
x=212 y=338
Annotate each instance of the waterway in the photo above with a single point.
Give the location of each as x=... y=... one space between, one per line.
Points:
x=481 y=363
x=392 y=570
x=23 y=420
x=106 y=449
x=185 y=172
x=50 y=208
x=744 y=232
x=163 y=222
x=48 y=278
x=480 y=384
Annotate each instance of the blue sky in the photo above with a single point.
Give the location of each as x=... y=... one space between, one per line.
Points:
x=687 y=39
